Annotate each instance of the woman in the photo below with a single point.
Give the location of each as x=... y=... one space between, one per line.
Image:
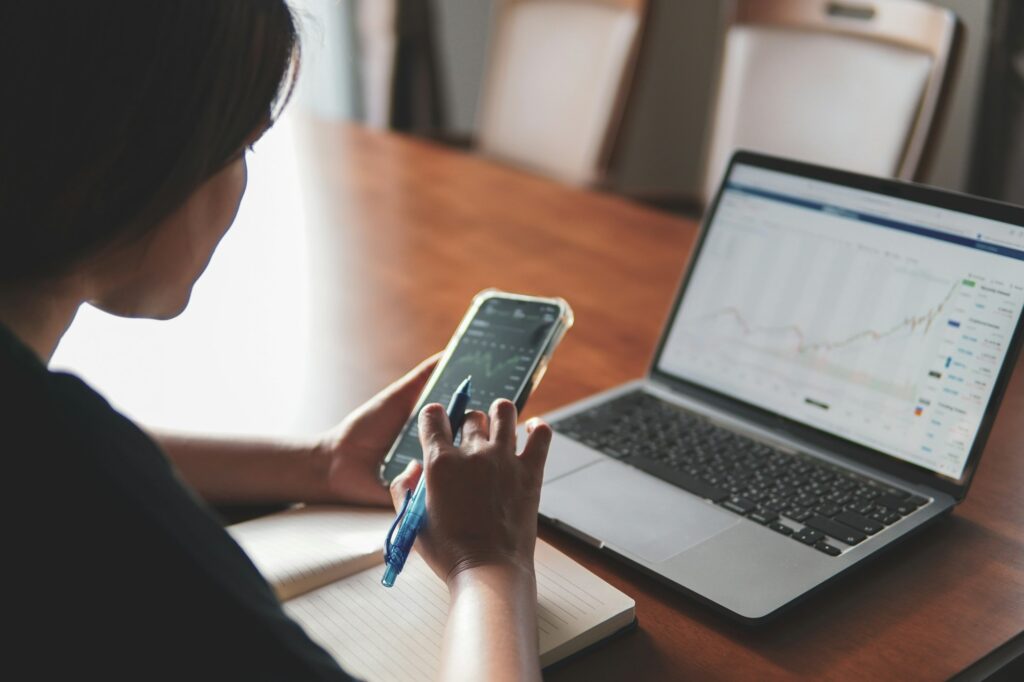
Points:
x=123 y=136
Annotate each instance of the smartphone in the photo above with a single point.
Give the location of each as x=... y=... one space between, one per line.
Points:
x=504 y=341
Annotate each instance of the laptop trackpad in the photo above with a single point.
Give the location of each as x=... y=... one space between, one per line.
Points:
x=632 y=511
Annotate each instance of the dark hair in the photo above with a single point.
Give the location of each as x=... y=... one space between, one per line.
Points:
x=114 y=111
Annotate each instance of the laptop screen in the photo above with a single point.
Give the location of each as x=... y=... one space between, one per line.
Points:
x=877 y=319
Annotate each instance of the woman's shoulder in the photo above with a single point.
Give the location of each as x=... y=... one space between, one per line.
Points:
x=48 y=411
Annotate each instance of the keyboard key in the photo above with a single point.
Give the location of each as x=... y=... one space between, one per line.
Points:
x=827 y=510
x=781 y=528
x=882 y=516
x=887 y=511
x=895 y=492
x=890 y=501
x=831 y=550
x=755 y=494
x=796 y=514
x=910 y=505
x=740 y=505
x=858 y=522
x=616 y=452
x=763 y=517
x=836 y=530
x=809 y=536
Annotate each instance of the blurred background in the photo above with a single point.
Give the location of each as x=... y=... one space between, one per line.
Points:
x=643 y=99
x=420 y=66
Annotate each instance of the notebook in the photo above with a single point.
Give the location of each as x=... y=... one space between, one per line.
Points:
x=325 y=564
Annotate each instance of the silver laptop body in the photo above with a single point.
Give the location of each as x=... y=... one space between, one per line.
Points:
x=852 y=328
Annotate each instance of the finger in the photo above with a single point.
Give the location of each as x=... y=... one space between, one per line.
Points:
x=404 y=482
x=475 y=428
x=538 y=440
x=434 y=429
x=503 y=422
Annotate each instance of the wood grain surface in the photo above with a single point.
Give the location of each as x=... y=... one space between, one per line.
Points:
x=403 y=234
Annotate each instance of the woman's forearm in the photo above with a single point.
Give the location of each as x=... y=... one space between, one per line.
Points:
x=225 y=470
x=492 y=625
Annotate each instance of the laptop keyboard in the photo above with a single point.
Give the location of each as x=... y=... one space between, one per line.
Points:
x=819 y=504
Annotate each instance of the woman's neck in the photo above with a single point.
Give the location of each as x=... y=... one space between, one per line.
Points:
x=39 y=315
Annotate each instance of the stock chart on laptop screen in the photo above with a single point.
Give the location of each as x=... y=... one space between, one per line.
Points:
x=877 y=319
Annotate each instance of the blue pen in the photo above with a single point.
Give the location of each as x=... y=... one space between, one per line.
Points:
x=414 y=509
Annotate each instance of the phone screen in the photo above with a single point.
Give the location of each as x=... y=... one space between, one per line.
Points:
x=500 y=349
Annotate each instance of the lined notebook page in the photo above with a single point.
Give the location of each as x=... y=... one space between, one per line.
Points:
x=303 y=548
x=357 y=620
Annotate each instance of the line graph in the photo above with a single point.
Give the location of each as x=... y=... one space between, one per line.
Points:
x=485 y=364
x=910 y=324
x=880 y=341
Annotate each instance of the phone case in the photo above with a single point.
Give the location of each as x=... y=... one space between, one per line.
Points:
x=558 y=330
x=562 y=325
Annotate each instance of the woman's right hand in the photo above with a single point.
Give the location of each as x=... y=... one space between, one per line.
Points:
x=482 y=496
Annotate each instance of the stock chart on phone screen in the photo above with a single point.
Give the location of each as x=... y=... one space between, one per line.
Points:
x=865 y=328
x=499 y=350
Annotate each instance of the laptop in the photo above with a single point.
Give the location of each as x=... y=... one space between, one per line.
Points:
x=822 y=389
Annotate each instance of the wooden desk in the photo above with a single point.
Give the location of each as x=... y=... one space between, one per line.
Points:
x=408 y=232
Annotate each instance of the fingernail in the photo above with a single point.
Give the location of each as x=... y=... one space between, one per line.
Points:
x=532 y=424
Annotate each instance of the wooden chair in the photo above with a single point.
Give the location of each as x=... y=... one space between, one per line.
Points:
x=857 y=85
x=556 y=83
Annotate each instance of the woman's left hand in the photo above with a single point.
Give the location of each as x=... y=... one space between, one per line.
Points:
x=356 y=447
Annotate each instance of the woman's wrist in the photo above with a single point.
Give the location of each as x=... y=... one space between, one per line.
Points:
x=492 y=623
x=319 y=463
x=507 y=574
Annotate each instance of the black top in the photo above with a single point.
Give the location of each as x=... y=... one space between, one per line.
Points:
x=114 y=568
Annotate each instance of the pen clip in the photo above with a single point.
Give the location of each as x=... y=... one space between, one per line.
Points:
x=394 y=525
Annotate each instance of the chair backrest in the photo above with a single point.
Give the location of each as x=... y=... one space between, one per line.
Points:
x=556 y=83
x=857 y=85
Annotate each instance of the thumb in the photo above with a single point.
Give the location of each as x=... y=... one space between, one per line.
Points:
x=404 y=482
